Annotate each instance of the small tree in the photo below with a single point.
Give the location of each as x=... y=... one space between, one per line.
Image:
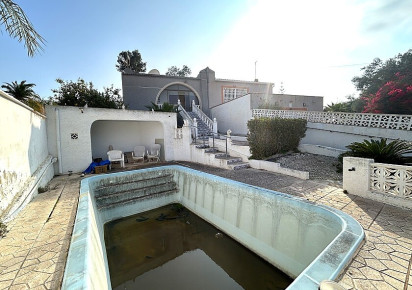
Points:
x=175 y=71
x=81 y=93
x=385 y=87
x=394 y=97
x=131 y=60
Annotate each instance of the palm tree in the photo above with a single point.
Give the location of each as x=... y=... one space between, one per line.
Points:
x=22 y=92
x=18 y=26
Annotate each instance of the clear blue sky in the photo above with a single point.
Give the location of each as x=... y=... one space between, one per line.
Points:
x=313 y=47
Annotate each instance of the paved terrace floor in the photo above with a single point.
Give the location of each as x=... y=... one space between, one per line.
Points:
x=33 y=253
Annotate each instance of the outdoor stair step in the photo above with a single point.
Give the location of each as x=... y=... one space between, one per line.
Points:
x=222 y=155
x=132 y=184
x=240 y=165
x=234 y=160
x=211 y=150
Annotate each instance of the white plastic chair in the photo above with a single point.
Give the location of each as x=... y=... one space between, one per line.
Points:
x=115 y=156
x=138 y=153
x=154 y=152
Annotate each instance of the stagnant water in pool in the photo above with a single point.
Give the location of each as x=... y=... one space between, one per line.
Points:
x=172 y=248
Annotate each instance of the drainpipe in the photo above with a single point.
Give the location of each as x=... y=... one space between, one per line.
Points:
x=58 y=139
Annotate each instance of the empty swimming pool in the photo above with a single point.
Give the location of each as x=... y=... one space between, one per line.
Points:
x=308 y=242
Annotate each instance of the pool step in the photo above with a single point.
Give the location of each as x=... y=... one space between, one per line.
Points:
x=115 y=194
x=133 y=184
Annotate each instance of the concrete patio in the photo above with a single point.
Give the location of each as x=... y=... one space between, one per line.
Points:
x=33 y=253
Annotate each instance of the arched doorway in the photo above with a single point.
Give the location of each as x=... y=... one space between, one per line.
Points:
x=173 y=92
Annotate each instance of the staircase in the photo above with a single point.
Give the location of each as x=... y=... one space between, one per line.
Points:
x=144 y=187
x=216 y=158
x=202 y=128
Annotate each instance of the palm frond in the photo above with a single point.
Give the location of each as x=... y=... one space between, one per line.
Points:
x=18 y=26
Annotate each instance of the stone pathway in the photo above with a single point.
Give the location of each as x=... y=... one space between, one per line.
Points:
x=33 y=254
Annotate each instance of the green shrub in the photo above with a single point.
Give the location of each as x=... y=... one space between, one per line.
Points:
x=379 y=150
x=269 y=136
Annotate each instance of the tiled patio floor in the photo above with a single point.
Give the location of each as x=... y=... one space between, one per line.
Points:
x=33 y=254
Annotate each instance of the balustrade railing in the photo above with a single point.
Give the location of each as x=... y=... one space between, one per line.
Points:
x=391 y=179
x=202 y=116
x=184 y=114
x=385 y=121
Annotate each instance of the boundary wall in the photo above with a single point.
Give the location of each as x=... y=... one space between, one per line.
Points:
x=25 y=163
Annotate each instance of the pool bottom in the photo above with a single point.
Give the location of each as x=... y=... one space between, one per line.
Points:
x=172 y=248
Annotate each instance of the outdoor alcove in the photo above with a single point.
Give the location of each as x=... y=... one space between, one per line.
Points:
x=178 y=91
x=124 y=136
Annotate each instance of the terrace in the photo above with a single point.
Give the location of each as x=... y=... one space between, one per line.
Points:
x=34 y=251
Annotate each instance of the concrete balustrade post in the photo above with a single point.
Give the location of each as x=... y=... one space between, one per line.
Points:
x=356 y=175
x=195 y=126
x=214 y=126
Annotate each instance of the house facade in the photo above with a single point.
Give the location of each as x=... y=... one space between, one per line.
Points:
x=215 y=97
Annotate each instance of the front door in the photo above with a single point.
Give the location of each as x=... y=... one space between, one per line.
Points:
x=183 y=101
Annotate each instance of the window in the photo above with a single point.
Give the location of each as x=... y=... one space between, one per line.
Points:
x=233 y=93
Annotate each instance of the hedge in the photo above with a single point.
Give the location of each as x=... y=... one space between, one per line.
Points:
x=269 y=136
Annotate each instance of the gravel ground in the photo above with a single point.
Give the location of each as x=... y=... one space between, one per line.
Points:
x=318 y=166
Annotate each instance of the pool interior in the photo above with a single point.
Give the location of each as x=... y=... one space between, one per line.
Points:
x=172 y=248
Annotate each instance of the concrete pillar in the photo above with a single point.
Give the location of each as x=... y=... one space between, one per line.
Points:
x=195 y=126
x=214 y=126
x=356 y=175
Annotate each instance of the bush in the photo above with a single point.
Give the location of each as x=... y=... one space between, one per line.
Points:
x=271 y=136
x=379 y=150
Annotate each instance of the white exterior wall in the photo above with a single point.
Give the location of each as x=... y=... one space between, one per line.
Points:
x=24 y=158
x=76 y=154
x=233 y=115
x=339 y=136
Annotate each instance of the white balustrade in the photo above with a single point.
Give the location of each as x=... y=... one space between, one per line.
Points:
x=385 y=121
x=391 y=179
x=203 y=116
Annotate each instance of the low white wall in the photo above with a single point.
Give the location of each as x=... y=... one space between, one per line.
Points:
x=233 y=115
x=320 y=150
x=24 y=161
x=339 y=136
x=75 y=154
x=357 y=181
x=275 y=167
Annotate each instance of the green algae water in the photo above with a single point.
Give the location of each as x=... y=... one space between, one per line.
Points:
x=172 y=248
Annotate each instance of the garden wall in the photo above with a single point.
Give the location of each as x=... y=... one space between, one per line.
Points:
x=328 y=133
x=25 y=163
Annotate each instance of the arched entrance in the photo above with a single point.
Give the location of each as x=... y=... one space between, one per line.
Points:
x=173 y=92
